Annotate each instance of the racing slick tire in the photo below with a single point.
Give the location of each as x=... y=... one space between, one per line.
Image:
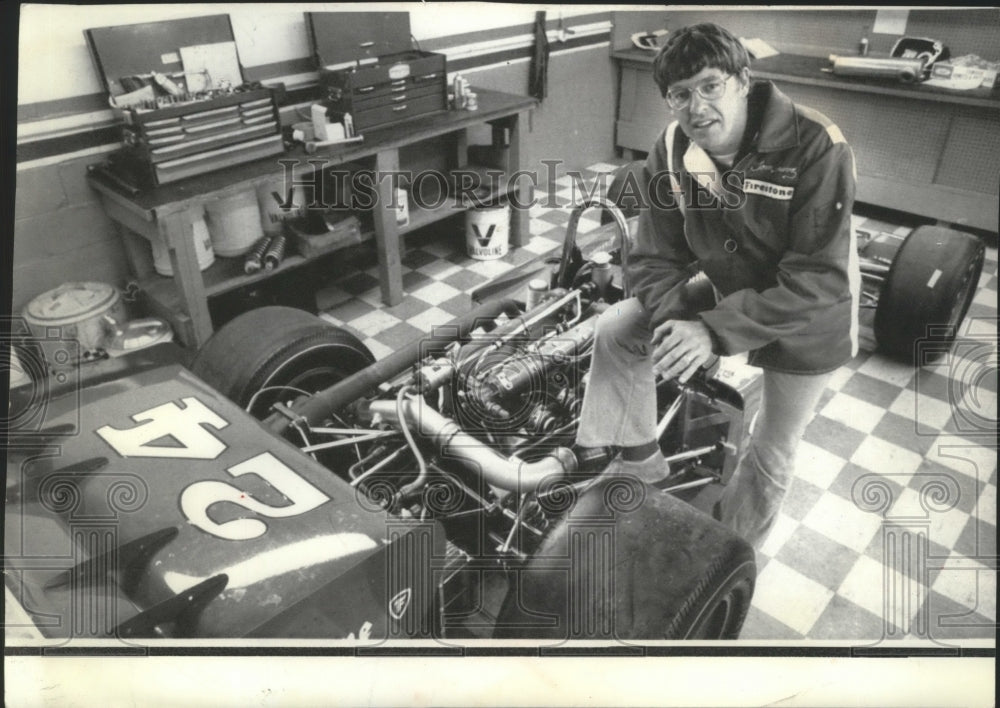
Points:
x=927 y=293
x=632 y=565
x=275 y=353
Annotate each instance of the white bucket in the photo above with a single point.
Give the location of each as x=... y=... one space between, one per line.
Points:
x=202 y=247
x=234 y=224
x=271 y=196
x=487 y=232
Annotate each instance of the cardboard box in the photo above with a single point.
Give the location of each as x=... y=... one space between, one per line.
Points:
x=345 y=232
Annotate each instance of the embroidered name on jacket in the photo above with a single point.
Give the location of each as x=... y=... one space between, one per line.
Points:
x=767 y=189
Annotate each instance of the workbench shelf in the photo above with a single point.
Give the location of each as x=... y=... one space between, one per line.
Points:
x=168 y=213
x=227 y=274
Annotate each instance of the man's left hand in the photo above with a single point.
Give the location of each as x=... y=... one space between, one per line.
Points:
x=681 y=347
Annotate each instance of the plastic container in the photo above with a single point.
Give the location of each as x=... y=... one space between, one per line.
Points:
x=234 y=224
x=202 y=247
x=487 y=232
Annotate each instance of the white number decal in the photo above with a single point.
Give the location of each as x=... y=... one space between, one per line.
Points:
x=200 y=496
x=184 y=425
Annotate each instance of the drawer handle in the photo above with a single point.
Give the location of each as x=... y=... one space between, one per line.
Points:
x=397 y=99
x=366 y=89
x=397 y=89
x=398 y=82
x=367 y=44
x=399 y=108
x=427 y=77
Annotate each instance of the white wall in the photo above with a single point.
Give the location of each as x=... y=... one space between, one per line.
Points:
x=54 y=61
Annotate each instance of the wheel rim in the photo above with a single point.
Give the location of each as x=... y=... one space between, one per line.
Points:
x=289 y=383
x=718 y=620
x=724 y=618
x=965 y=293
x=309 y=381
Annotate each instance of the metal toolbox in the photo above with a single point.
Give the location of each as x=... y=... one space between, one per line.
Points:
x=189 y=125
x=368 y=69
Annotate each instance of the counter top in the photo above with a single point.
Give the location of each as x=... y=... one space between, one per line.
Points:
x=808 y=70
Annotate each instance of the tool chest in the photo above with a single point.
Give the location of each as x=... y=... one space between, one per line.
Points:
x=369 y=70
x=178 y=122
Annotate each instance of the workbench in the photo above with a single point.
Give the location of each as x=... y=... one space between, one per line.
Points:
x=168 y=212
x=921 y=149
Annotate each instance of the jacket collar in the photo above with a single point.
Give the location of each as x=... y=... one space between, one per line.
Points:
x=778 y=128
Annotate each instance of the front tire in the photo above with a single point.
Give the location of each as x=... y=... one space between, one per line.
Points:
x=659 y=569
x=274 y=354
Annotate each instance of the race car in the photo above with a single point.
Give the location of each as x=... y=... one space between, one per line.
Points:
x=284 y=484
x=287 y=485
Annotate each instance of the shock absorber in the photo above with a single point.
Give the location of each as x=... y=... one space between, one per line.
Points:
x=275 y=252
x=254 y=258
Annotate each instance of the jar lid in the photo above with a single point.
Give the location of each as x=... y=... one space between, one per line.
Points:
x=70 y=303
x=601 y=258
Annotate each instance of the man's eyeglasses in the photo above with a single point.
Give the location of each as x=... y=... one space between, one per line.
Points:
x=709 y=90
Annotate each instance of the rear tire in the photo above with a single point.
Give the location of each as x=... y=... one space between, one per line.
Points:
x=927 y=293
x=281 y=349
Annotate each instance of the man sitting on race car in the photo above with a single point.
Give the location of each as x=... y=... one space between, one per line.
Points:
x=756 y=192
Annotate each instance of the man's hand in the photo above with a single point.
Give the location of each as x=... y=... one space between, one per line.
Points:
x=681 y=347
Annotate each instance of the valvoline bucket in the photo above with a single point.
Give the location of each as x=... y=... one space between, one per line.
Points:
x=487 y=232
x=278 y=205
x=234 y=224
x=202 y=248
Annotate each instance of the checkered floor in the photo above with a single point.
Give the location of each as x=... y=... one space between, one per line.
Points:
x=889 y=529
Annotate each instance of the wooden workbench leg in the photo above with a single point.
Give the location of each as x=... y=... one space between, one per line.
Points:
x=177 y=231
x=461 y=148
x=387 y=241
x=137 y=252
x=520 y=232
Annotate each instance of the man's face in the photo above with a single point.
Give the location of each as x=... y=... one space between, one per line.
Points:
x=715 y=125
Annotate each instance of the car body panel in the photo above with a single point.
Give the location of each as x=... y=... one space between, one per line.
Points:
x=161 y=451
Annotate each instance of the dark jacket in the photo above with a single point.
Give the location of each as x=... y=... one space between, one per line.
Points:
x=773 y=234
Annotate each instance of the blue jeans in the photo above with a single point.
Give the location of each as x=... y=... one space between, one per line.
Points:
x=619 y=409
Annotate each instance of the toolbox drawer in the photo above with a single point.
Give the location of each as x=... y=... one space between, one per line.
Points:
x=397 y=112
x=393 y=67
x=169 y=137
x=395 y=96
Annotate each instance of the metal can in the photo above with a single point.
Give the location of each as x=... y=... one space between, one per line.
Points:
x=537 y=288
x=601 y=271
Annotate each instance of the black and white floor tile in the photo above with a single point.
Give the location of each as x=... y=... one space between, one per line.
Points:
x=889 y=529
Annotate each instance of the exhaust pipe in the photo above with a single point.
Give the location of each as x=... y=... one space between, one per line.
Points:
x=508 y=473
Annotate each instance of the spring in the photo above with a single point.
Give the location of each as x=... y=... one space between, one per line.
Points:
x=253 y=260
x=275 y=252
